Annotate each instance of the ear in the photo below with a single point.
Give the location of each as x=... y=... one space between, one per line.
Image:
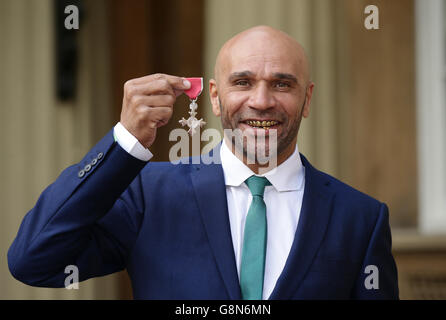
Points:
x=213 y=92
x=308 y=95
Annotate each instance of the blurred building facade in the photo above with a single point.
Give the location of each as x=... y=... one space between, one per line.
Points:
x=367 y=124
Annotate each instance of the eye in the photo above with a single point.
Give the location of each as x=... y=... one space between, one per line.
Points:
x=242 y=83
x=282 y=85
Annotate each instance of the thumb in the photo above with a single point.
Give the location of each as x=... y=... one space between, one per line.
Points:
x=182 y=85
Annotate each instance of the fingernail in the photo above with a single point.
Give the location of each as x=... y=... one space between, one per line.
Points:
x=186 y=83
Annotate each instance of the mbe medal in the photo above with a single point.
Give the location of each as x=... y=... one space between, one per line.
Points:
x=196 y=86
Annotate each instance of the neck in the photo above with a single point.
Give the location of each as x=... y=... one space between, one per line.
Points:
x=263 y=168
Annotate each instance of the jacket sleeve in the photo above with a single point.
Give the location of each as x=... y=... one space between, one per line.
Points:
x=378 y=279
x=89 y=217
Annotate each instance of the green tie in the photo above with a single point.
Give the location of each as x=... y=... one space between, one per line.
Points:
x=254 y=242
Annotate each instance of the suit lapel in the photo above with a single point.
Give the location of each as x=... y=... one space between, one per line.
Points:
x=313 y=221
x=210 y=193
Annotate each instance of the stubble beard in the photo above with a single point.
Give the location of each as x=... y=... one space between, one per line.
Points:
x=240 y=142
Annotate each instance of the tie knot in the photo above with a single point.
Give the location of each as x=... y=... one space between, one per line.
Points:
x=257 y=185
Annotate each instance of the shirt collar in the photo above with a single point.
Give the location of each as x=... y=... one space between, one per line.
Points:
x=288 y=176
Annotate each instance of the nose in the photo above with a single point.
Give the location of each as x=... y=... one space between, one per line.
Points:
x=262 y=97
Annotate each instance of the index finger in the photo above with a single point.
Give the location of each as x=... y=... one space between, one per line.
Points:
x=177 y=83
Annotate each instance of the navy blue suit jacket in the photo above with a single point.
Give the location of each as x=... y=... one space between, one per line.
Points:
x=168 y=226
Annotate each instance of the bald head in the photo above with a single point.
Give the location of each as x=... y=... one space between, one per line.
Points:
x=262 y=41
x=262 y=86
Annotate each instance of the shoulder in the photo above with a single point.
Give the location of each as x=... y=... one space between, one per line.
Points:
x=347 y=193
x=165 y=169
x=345 y=196
x=350 y=210
x=179 y=172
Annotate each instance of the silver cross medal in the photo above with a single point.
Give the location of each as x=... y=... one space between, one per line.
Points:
x=192 y=122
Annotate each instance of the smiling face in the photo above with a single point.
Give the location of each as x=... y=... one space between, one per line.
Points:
x=262 y=83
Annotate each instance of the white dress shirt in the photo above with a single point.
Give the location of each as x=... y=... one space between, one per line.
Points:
x=129 y=143
x=283 y=202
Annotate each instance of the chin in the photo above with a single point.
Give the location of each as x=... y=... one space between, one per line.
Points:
x=260 y=152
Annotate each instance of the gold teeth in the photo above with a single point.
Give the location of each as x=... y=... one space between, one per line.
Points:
x=264 y=124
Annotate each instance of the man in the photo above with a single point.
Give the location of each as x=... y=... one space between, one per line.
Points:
x=213 y=231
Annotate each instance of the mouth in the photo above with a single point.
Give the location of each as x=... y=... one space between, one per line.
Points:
x=262 y=124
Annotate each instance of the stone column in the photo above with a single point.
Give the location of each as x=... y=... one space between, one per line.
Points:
x=39 y=136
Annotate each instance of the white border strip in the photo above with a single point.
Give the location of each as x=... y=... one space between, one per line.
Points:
x=430 y=52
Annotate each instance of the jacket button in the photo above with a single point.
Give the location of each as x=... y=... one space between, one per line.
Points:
x=94 y=161
x=81 y=173
x=87 y=167
x=100 y=155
